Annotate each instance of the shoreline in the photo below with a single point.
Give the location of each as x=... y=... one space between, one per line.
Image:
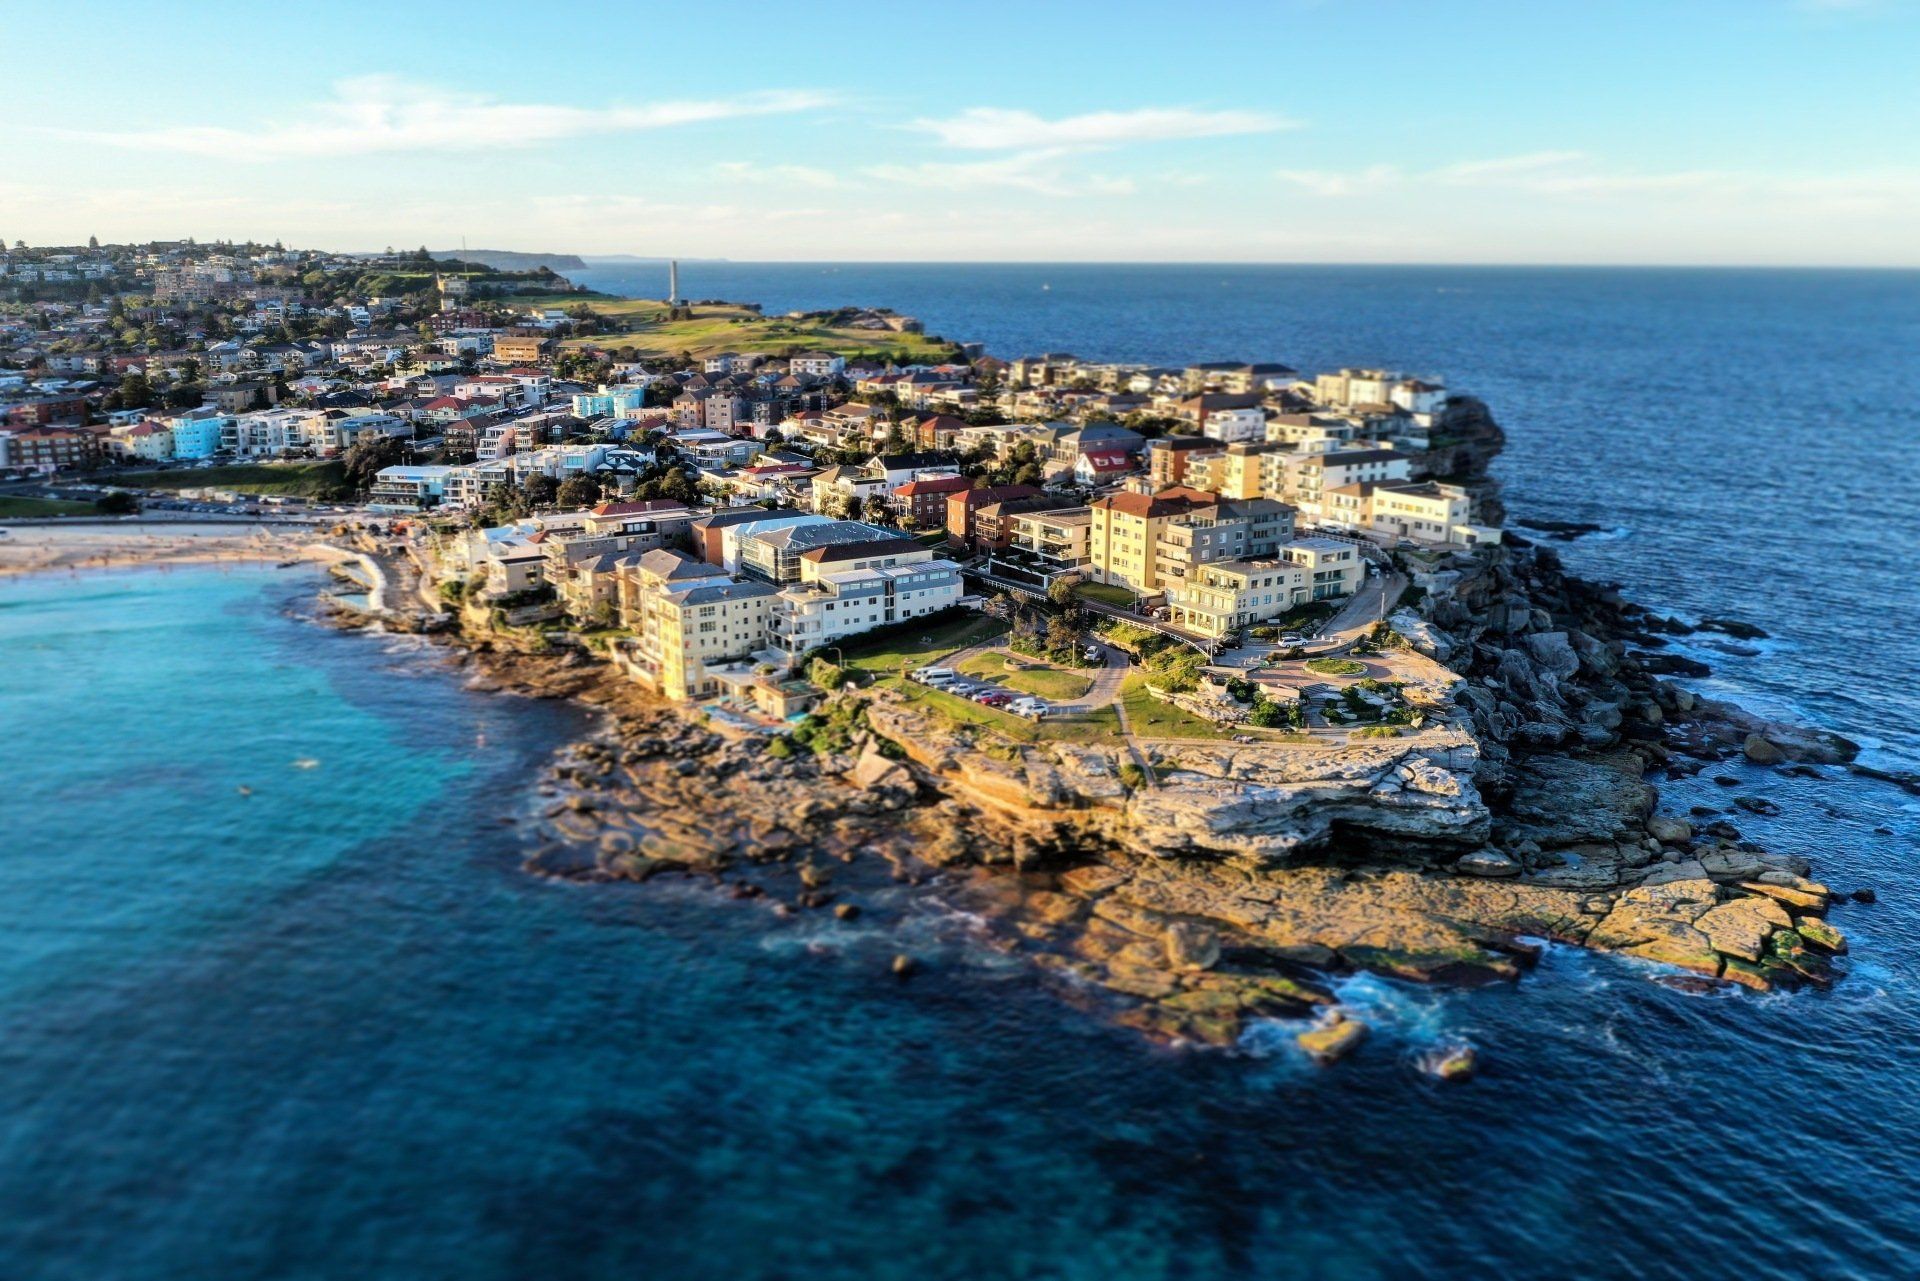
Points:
x=1072 y=880
x=107 y=546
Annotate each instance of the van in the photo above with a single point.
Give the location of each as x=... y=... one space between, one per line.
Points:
x=934 y=675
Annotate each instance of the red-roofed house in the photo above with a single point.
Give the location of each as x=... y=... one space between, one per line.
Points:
x=1099 y=467
x=924 y=502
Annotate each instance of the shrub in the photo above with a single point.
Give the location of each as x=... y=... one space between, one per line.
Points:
x=1132 y=777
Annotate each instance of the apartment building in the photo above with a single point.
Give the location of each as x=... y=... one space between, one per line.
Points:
x=850 y=588
x=1222 y=597
x=1058 y=540
x=1423 y=511
x=686 y=617
x=1144 y=542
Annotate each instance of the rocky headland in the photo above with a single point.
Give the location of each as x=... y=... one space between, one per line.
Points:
x=1524 y=812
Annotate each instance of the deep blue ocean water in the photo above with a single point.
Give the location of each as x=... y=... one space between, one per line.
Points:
x=330 y=1029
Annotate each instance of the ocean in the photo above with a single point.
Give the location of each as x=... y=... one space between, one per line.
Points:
x=327 y=1027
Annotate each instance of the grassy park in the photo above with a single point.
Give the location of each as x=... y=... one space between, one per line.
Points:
x=642 y=324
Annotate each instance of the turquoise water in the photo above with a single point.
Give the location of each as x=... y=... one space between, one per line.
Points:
x=330 y=1029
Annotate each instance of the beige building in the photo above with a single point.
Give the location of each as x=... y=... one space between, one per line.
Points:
x=1058 y=539
x=1426 y=511
x=1222 y=597
x=685 y=617
x=1145 y=542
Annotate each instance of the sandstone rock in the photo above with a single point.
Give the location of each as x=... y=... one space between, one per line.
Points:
x=1657 y=923
x=1670 y=831
x=1192 y=946
x=904 y=966
x=1757 y=805
x=1566 y=801
x=1737 y=929
x=874 y=771
x=1332 y=1041
x=1822 y=935
x=1791 y=895
x=1450 y=1062
x=1761 y=752
x=1487 y=862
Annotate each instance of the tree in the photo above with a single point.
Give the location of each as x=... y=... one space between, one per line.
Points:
x=540 y=491
x=135 y=393
x=367 y=455
x=1063 y=635
x=579 y=491
x=876 y=509
x=1061 y=590
x=117 y=502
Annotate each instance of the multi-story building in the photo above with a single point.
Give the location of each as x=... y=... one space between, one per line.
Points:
x=1057 y=540
x=1224 y=596
x=850 y=588
x=1169 y=457
x=198 y=433
x=50 y=449
x=775 y=555
x=147 y=441
x=924 y=501
x=1143 y=542
x=518 y=348
x=817 y=364
x=686 y=616
x=1424 y=511
x=1310 y=476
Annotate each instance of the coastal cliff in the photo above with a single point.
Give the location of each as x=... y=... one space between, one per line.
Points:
x=1225 y=887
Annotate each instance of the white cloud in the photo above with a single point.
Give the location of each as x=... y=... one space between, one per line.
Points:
x=1574 y=175
x=1334 y=182
x=1531 y=162
x=779 y=175
x=996 y=129
x=382 y=114
x=1038 y=171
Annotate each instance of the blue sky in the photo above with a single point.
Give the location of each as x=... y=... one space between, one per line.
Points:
x=1683 y=131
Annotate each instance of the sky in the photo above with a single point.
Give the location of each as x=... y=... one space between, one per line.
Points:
x=1712 y=132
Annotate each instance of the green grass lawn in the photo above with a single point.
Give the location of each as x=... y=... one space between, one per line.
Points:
x=1106 y=594
x=1152 y=718
x=16 y=507
x=1096 y=726
x=1336 y=666
x=642 y=324
x=1030 y=677
x=916 y=646
x=307 y=479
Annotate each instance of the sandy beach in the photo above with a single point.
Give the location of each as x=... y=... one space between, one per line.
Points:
x=28 y=547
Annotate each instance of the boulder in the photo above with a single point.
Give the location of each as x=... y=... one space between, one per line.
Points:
x=1822 y=935
x=1739 y=928
x=1761 y=752
x=1487 y=862
x=1333 y=1040
x=1669 y=831
x=1192 y=946
x=1449 y=1062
